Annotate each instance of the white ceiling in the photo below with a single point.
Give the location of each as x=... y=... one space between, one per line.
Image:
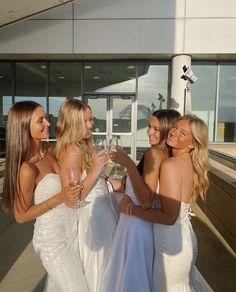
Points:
x=12 y=11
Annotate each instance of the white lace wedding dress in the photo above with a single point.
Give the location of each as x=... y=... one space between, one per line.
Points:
x=97 y=224
x=54 y=241
x=175 y=254
x=129 y=263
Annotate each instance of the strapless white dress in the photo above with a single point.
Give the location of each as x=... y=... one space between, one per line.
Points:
x=97 y=222
x=54 y=241
x=175 y=254
x=129 y=265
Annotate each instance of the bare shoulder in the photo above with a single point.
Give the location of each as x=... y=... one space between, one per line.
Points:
x=72 y=156
x=170 y=165
x=154 y=153
x=28 y=170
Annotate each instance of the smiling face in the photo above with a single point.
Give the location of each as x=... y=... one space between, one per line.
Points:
x=39 y=125
x=88 y=120
x=180 y=136
x=153 y=131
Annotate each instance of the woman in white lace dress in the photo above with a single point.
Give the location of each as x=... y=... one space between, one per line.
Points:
x=97 y=218
x=182 y=177
x=32 y=189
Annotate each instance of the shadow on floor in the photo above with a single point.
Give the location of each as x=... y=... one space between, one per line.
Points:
x=41 y=285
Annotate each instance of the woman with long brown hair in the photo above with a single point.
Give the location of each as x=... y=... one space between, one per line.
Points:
x=132 y=251
x=32 y=189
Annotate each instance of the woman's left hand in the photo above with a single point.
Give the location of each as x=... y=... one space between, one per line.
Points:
x=124 y=204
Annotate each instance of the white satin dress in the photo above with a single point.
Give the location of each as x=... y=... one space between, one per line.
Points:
x=97 y=222
x=129 y=265
x=175 y=255
x=54 y=241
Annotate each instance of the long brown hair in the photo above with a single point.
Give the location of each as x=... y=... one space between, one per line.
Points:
x=166 y=117
x=17 y=143
x=70 y=130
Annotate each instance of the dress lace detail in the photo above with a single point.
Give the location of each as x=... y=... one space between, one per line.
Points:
x=54 y=241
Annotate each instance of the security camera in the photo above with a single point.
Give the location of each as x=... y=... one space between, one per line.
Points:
x=188 y=75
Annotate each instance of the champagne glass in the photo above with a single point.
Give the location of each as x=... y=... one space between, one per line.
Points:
x=74 y=178
x=101 y=144
x=111 y=169
x=115 y=141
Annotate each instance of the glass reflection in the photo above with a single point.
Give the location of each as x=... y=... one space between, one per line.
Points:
x=31 y=80
x=109 y=77
x=152 y=95
x=65 y=79
x=203 y=94
x=226 y=124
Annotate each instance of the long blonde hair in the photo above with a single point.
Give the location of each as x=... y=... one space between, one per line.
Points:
x=199 y=154
x=70 y=130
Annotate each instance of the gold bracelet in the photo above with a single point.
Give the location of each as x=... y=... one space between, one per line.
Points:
x=49 y=208
x=127 y=211
x=131 y=209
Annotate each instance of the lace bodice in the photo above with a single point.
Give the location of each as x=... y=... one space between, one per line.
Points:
x=57 y=227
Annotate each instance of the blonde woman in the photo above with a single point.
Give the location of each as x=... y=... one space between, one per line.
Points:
x=182 y=178
x=96 y=219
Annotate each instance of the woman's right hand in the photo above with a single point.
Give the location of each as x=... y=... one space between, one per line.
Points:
x=118 y=155
x=99 y=160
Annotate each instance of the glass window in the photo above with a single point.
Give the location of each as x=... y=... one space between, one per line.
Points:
x=5 y=101
x=109 y=77
x=31 y=82
x=54 y=107
x=65 y=82
x=152 y=95
x=122 y=114
x=203 y=93
x=98 y=106
x=65 y=79
x=226 y=124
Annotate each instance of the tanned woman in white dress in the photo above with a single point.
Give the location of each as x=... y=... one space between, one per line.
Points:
x=182 y=178
x=32 y=189
x=129 y=266
x=97 y=219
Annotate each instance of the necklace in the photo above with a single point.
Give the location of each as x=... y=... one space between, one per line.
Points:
x=39 y=156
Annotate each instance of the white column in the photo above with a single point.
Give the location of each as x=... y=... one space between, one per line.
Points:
x=178 y=85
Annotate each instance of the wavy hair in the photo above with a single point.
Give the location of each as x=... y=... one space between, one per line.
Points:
x=199 y=154
x=70 y=130
x=17 y=143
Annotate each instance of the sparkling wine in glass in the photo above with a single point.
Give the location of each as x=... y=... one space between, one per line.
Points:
x=111 y=169
x=74 y=177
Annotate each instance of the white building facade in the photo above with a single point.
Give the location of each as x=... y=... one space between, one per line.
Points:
x=125 y=58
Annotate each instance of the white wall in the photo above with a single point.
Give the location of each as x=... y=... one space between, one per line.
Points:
x=138 y=27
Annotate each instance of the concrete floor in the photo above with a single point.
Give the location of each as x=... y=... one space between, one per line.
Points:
x=21 y=271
